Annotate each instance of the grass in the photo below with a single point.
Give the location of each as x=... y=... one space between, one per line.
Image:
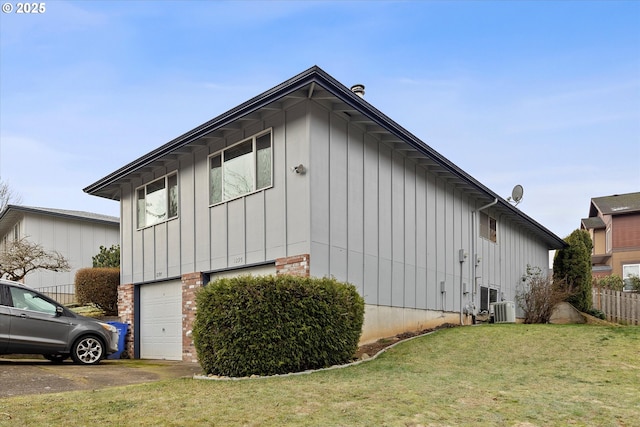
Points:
x=490 y=375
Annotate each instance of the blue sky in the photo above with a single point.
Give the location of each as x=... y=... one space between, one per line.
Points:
x=544 y=94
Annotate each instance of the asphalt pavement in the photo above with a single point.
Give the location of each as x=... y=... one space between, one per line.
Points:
x=37 y=376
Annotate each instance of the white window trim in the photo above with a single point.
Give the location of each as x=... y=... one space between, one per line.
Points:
x=252 y=138
x=488 y=226
x=626 y=276
x=166 y=189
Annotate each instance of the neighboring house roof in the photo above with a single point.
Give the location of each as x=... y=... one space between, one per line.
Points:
x=594 y=223
x=316 y=84
x=615 y=205
x=13 y=213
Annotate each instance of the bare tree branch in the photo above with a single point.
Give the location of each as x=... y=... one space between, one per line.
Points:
x=21 y=257
x=7 y=196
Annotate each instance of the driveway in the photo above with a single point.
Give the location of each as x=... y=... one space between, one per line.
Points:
x=38 y=376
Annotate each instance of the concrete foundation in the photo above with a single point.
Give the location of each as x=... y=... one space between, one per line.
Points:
x=381 y=321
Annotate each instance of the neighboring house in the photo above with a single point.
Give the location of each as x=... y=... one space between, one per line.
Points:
x=309 y=178
x=75 y=235
x=614 y=226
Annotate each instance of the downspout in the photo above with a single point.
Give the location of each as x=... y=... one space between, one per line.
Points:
x=474 y=253
x=461 y=258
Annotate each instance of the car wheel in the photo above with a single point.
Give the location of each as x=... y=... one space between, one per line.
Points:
x=87 y=350
x=56 y=358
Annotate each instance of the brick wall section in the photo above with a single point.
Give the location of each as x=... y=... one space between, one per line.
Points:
x=126 y=314
x=190 y=284
x=297 y=265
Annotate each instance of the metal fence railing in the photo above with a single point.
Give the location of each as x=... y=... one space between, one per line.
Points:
x=64 y=294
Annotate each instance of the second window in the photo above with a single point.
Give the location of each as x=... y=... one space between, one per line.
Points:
x=241 y=169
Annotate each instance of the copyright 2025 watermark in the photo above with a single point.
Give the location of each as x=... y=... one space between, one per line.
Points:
x=24 y=8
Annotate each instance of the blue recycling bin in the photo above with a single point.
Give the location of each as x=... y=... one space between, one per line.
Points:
x=122 y=333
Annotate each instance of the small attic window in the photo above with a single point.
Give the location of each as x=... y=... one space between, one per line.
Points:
x=488 y=227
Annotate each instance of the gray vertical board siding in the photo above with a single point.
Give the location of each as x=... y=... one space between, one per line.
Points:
x=275 y=218
x=297 y=185
x=338 y=200
x=338 y=183
x=410 y=235
x=194 y=209
x=255 y=228
x=355 y=208
x=218 y=233
x=319 y=177
x=433 y=285
x=397 y=228
x=451 y=249
x=174 y=246
x=148 y=253
x=171 y=241
x=370 y=220
x=385 y=225
x=440 y=230
x=236 y=227
x=160 y=245
x=421 y=239
x=371 y=279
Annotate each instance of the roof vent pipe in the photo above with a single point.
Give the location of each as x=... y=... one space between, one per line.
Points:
x=358 y=90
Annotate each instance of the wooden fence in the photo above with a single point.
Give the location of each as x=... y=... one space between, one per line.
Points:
x=619 y=307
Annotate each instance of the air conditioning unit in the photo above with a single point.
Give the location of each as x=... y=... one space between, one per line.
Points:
x=504 y=312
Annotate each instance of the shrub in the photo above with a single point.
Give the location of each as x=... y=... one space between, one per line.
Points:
x=539 y=295
x=107 y=257
x=276 y=324
x=633 y=283
x=572 y=266
x=597 y=313
x=99 y=286
x=613 y=282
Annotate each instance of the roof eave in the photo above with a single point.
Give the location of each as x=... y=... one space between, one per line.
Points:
x=318 y=76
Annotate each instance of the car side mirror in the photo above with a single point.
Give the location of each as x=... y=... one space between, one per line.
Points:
x=59 y=311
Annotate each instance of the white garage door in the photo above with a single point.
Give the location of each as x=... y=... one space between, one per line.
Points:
x=261 y=270
x=161 y=321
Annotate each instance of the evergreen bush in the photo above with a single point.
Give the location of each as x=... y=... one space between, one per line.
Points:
x=573 y=266
x=276 y=324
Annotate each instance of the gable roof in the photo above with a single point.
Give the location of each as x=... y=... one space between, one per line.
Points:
x=318 y=85
x=12 y=213
x=615 y=205
x=593 y=223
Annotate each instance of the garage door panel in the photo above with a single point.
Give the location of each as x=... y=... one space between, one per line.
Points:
x=161 y=321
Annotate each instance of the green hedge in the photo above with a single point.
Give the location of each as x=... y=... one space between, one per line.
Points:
x=99 y=286
x=276 y=324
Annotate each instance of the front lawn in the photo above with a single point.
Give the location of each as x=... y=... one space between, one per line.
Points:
x=490 y=375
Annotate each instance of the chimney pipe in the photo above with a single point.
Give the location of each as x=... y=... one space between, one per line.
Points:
x=358 y=90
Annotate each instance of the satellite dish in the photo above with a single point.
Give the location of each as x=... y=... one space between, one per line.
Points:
x=516 y=194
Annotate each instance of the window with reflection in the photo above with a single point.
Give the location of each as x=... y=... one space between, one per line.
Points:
x=241 y=169
x=157 y=201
